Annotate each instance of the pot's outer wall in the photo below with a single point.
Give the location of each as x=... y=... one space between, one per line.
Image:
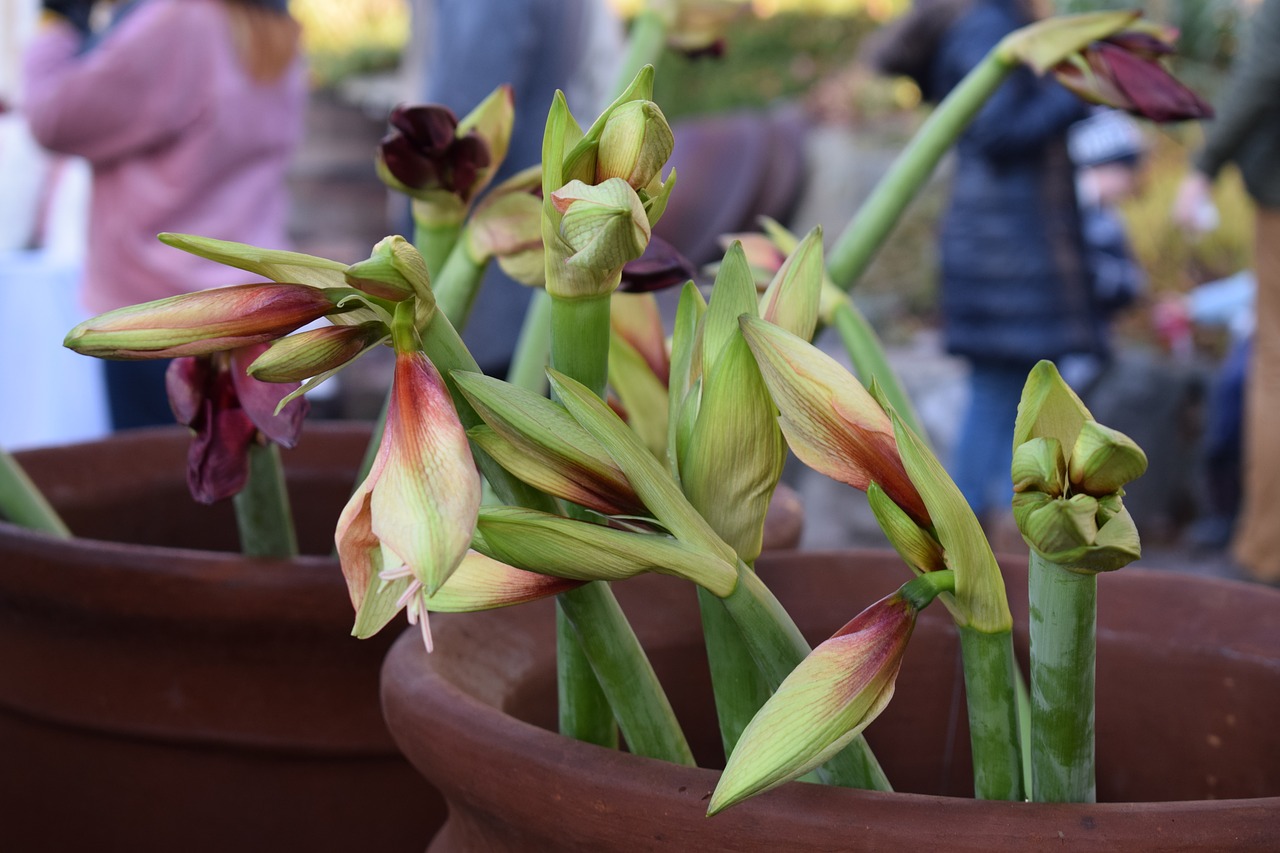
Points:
x=1188 y=680
x=172 y=699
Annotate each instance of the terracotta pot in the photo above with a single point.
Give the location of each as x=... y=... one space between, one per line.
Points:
x=1188 y=748
x=156 y=697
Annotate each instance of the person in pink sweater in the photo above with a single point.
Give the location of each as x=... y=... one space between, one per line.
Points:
x=188 y=112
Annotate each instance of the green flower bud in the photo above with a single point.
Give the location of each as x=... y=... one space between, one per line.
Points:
x=1079 y=533
x=315 y=351
x=604 y=226
x=634 y=144
x=394 y=271
x=1104 y=460
x=1038 y=466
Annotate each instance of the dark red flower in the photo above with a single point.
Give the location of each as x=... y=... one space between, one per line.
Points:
x=661 y=266
x=1125 y=71
x=228 y=411
x=423 y=151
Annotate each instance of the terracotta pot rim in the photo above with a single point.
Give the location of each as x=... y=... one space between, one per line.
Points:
x=533 y=744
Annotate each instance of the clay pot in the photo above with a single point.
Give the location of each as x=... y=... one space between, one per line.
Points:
x=160 y=693
x=1188 y=748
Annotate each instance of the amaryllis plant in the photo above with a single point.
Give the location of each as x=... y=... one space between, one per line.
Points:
x=658 y=450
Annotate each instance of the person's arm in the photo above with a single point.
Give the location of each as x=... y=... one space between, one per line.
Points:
x=138 y=88
x=1026 y=111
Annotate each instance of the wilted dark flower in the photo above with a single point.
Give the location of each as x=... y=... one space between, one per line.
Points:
x=661 y=266
x=227 y=410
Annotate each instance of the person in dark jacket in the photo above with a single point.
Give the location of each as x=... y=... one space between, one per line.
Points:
x=1015 y=284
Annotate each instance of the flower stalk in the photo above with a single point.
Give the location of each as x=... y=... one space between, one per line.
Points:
x=263 y=515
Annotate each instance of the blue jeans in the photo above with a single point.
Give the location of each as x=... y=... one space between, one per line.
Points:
x=983 y=453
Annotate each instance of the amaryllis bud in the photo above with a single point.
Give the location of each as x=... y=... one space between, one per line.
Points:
x=418 y=505
x=831 y=422
x=310 y=353
x=423 y=152
x=395 y=270
x=200 y=323
x=835 y=693
x=579 y=550
x=1125 y=72
x=794 y=296
x=635 y=144
x=604 y=225
x=1039 y=466
x=1104 y=460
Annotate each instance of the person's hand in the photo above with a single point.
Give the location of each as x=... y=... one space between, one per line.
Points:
x=1193 y=208
x=74 y=12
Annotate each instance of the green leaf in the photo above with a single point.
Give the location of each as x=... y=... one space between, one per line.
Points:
x=733 y=295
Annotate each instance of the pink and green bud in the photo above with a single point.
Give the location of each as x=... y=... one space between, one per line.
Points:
x=915 y=545
x=835 y=693
x=635 y=143
x=537 y=441
x=831 y=422
x=479 y=583
x=200 y=323
x=316 y=351
x=579 y=550
x=418 y=505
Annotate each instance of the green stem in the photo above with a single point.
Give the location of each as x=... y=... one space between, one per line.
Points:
x=533 y=347
x=435 y=242
x=778 y=647
x=262 y=506
x=584 y=709
x=989 y=677
x=22 y=502
x=580 y=340
x=870 y=362
x=456 y=286
x=739 y=687
x=580 y=350
x=1063 y=646
x=645 y=42
x=857 y=244
x=621 y=668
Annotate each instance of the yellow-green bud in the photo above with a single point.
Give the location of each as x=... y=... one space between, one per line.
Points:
x=1104 y=460
x=634 y=144
x=1038 y=466
x=605 y=226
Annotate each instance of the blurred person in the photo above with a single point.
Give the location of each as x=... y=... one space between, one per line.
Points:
x=1246 y=132
x=537 y=46
x=1016 y=286
x=188 y=112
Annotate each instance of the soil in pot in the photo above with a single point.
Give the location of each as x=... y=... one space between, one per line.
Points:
x=162 y=693
x=1189 y=756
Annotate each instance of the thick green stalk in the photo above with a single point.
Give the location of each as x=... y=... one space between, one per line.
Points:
x=989 y=678
x=584 y=709
x=1063 y=647
x=533 y=347
x=22 y=502
x=262 y=506
x=435 y=242
x=778 y=647
x=621 y=668
x=645 y=42
x=857 y=244
x=739 y=687
x=456 y=286
x=870 y=362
